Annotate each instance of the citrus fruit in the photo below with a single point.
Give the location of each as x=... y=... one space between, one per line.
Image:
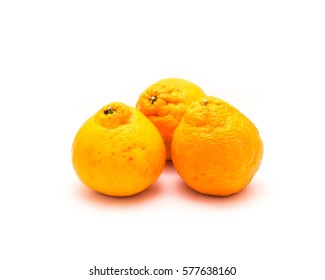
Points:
x=216 y=149
x=165 y=102
x=118 y=151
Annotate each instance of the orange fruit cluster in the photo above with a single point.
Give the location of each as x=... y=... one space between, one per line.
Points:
x=121 y=150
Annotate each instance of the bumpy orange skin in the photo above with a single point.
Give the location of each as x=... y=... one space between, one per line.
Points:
x=165 y=102
x=118 y=151
x=216 y=149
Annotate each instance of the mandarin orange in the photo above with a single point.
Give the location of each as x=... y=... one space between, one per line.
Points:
x=216 y=149
x=118 y=151
x=165 y=102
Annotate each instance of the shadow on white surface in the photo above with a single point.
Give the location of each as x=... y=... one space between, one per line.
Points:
x=169 y=187
x=94 y=197
x=183 y=191
x=169 y=167
x=250 y=193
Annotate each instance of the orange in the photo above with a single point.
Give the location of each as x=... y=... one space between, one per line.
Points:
x=165 y=102
x=216 y=149
x=118 y=151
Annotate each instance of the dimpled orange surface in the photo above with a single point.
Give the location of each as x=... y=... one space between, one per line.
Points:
x=216 y=149
x=165 y=102
x=118 y=151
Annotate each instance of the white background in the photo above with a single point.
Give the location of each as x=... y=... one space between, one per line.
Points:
x=60 y=61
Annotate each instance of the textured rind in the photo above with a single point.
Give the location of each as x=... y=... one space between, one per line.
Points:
x=121 y=160
x=216 y=149
x=173 y=97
